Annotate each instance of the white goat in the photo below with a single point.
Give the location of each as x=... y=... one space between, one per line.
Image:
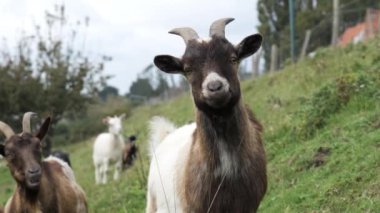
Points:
x=108 y=148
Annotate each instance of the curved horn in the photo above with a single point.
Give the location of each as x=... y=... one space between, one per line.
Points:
x=26 y=122
x=186 y=33
x=217 y=27
x=7 y=130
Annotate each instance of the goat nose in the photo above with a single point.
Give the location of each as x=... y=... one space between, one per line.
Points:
x=34 y=170
x=214 y=86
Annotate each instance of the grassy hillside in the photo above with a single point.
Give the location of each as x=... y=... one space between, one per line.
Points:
x=322 y=134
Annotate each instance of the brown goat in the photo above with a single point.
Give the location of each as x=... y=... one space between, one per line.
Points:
x=223 y=169
x=129 y=152
x=42 y=185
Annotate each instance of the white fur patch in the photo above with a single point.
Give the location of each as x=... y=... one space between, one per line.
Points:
x=159 y=128
x=65 y=167
x=228 y=162
x=169 y=160
x=204 y=40
x=213 y=76
x=115 y=124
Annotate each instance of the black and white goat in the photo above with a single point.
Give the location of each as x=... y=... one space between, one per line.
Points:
x=216 y=164
x=61 y=155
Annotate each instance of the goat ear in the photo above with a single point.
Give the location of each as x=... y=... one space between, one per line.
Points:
x=105 y=120
x=2 y=150
x=44 y=128
x=168 y=64
x=132 y=138
x=248 y=46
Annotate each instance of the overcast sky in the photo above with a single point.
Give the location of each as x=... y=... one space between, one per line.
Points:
x=132 y=32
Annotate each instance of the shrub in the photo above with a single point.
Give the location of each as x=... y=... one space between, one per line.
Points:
x=328 y=100
x=76 y=128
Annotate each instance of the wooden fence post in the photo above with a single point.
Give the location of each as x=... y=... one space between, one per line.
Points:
x=256 y=63
x=305 y=44
x=274 y=58
x=335 y=24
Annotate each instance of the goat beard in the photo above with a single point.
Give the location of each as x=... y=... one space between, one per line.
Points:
x=33 y=182
x=219 y=110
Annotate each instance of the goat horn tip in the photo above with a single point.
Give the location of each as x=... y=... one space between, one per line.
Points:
x=174 y=31
x=31 y=113
x=228 y=20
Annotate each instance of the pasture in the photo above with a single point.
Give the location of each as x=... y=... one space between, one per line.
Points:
x=322 y=134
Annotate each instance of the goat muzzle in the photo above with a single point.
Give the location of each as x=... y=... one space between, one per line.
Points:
x=217 y=98
x=33 y=177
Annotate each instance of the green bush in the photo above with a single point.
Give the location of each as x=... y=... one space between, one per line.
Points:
x=74 y=129
x=330 y=98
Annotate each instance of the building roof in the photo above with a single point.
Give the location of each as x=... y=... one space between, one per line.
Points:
x=363 y=30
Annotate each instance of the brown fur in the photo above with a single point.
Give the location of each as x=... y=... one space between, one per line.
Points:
x=241 y=192
x=56 y=193
x=41 y=186
x=129 y=155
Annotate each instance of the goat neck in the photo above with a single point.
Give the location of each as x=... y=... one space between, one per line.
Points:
x=228 y=128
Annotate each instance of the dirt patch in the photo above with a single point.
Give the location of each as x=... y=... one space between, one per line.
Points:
x=377 y=145
x=319 y=158
x=376 y=124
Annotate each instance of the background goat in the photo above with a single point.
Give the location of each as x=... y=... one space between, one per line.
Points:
x=42 y=186
x=130 y=152
x=108 y=148
x=217 y=164
x=61 y=155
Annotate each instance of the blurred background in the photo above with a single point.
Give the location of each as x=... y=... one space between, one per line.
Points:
x=314 y=84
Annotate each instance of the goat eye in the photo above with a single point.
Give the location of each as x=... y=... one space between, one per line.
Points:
x=9 y=155
x=233 y=60
x=187 y=69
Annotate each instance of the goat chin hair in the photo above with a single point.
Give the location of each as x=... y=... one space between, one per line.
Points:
x=159 y=128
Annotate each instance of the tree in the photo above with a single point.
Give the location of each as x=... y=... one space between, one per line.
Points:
x=162 y=86
x=274 y=25
x=48 y=73
x=150 y=83
x=315 y=15
x=141 y=88
x=107 y=92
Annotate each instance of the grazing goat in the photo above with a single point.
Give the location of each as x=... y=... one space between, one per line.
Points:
x=130 y=152
x=42 y=185
x=108 y=148
x=61 y=155
x=218 y=163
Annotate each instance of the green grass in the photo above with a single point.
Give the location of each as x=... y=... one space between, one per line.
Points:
x=331 y=101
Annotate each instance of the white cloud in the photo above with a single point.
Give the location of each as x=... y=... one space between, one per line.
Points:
x=133 y=32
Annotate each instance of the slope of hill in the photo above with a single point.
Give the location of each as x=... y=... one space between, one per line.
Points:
x=322 y=135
